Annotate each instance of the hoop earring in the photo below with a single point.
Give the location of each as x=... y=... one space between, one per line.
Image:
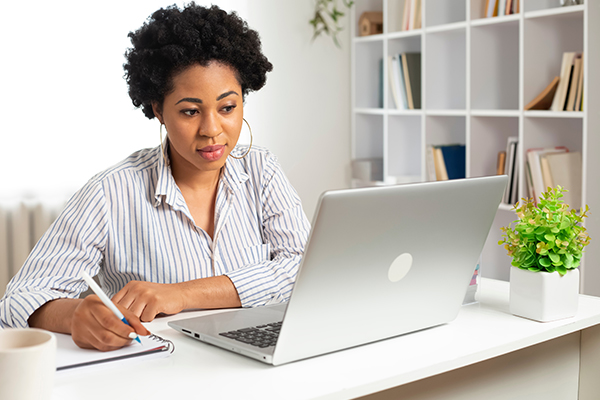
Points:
x=162 y=149
x=250 y=147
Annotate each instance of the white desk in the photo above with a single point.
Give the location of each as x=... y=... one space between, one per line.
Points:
x=486 y=353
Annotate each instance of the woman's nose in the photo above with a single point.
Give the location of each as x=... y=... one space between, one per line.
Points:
x=210 y=125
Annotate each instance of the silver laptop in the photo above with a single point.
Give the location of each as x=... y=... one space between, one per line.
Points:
x=379 y=262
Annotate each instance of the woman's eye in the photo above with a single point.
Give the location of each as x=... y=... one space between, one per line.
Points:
x=228 y=109
x=190 y=112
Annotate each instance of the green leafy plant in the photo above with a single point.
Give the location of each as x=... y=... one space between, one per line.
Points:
x=327 y=18
x=548 y=237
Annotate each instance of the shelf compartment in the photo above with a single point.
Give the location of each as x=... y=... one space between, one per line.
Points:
x=404 y=148
x=395 y=15
x=489 y=136
x=550 y=132
x=442 y=12
x=411 y=44
x=445 y=69
x=365 y=6
x=440 y=130
x=368 y=136
x=543 y=62
x=495 y=66
x=367 y=74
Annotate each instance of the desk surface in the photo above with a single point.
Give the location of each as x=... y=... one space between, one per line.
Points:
x=481 y=331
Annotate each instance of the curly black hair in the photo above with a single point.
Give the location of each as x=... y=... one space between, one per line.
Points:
x=173 y=39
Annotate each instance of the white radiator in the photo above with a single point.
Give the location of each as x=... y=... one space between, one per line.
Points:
x=22 y=223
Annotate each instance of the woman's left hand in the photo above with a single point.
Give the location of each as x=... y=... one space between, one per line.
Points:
x=147 y=299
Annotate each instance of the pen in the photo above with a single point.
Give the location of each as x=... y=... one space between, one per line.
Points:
x=94 y=286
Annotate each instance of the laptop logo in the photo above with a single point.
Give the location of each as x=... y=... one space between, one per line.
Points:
x=400 y=267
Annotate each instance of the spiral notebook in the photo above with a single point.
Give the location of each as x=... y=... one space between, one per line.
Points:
x=69 y=355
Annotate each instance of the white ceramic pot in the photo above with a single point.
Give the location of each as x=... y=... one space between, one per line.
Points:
x=543 y=296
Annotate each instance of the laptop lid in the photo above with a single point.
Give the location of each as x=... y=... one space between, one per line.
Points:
x=379 y=262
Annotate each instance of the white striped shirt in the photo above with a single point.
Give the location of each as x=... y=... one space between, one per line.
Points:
x=131 y=222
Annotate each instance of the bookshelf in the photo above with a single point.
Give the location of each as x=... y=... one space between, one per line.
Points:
x=476 y=76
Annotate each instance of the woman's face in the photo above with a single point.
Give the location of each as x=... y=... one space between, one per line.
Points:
x=203 y=117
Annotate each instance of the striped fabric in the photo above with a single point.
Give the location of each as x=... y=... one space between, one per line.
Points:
x=131 y=222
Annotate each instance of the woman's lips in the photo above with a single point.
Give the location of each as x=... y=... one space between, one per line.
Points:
x=212 y=153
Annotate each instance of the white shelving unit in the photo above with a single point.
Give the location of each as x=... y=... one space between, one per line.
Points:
x=477 y=75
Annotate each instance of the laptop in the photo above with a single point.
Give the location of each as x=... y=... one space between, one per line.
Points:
x=379 y=262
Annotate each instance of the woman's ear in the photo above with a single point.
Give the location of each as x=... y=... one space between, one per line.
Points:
x=157 y=109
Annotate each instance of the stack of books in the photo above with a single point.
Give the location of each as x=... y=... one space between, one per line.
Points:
x=552 y=166
x=411 y=18
x=498 y=8
x=404 y=71
x=564 y=93
x=446 y=162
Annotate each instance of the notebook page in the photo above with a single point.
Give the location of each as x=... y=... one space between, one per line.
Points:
x=69 y=355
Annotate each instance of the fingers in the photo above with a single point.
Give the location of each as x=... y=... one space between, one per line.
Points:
x=135 y=322
x=95 y=326
x=147 y=299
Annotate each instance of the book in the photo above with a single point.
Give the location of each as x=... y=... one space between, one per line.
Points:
x=511 y=152
x=501 y=7
x=543 y=101
x=501 y=163
x=561 y=92
x=409 y=97
x=514 y=180
x=454 y=160
x=406 y=15
x=430 y=163
x=578 y=105
x=412 y=16
x=491 y=8
x=546 y=175
x=401 y=83
x=565 y=170
x=529 y=181
x=393 y=87
x=398 y=83
x=381 y=79
x=567 y=89
x=418 y=14
x=509 y=7
x=413 y=63
x=535 y=167
x=440 y=167
x=69 y=355
x=574 y=84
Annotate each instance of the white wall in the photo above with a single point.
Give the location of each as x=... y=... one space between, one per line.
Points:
x=67 y=115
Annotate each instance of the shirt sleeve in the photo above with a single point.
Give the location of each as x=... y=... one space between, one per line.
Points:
x=286 y=231
x=73 y=243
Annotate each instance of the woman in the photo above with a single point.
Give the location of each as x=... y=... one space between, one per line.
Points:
x=193 y=223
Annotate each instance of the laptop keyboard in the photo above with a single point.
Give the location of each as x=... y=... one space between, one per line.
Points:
x=260 y=336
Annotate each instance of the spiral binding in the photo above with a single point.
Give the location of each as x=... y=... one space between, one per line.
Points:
x=170 y=345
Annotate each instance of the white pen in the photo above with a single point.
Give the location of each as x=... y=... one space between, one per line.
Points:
x=94 y=286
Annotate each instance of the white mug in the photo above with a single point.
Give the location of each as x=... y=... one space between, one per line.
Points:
x=27 y=364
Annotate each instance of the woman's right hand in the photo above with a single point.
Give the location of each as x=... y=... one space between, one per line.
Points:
x=94 y=326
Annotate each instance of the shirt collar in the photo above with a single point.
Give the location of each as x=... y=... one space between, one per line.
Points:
x=233 y=176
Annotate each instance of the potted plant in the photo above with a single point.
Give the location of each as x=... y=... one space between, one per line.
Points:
x=546 y=244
